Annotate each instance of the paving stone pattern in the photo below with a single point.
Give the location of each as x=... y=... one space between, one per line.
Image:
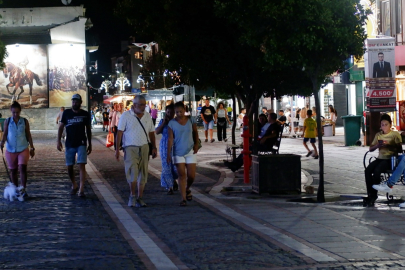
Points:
x=199 y=237
x=54 y=230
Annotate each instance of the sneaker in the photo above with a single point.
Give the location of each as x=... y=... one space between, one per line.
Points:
x=383 y=187
x=316 y=157
x=309 y=153
x=402 y=205
x=131 y=201
x=225 y=139
x=140 y=202
x=212 y=140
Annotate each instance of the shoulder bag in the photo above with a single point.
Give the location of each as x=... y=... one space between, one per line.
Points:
x=147 y=137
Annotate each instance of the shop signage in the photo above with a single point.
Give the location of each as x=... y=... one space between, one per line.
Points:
x=379 y=60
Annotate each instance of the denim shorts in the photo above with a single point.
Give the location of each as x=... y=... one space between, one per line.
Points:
x=70 y=155
x=208 y=126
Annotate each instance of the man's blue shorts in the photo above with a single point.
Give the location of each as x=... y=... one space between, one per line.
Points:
x=70 y=155
x=208 y=126
x=313 y=140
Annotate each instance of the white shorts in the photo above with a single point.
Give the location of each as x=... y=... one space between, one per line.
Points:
x=188 y=159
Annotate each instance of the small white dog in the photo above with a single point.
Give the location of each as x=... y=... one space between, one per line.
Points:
x=11 y=192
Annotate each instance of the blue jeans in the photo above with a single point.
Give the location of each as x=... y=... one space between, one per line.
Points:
x=399 y=170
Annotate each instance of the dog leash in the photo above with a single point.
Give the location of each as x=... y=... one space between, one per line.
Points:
x=5 y=165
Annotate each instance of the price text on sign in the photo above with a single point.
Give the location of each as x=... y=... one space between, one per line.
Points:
x=382 y=93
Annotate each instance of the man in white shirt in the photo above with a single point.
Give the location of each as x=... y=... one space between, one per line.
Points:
x=136 y=131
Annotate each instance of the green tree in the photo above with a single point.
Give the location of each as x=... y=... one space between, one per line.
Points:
x=314 y=36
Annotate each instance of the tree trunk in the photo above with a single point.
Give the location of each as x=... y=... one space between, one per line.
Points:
x=321 y=186
x=233 y=126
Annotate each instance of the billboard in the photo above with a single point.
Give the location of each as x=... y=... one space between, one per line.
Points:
x=379 y=60
x=67 y=73
x=24 y=77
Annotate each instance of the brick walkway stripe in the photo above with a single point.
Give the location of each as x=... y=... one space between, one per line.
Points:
x=154 y=253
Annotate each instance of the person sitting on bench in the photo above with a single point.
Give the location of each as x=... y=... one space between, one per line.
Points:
x=267 y=138
x=388 y=143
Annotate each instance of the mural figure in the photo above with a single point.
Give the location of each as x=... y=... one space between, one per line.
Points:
x=19 y=77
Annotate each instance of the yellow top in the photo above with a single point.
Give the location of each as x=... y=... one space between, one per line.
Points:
x=391 y=138
x=310 y=128
x=229 y=109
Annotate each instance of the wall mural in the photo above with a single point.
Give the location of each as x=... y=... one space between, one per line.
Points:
x=67 y=73
x=24 y=77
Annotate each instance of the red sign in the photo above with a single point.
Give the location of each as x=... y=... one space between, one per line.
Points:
x=382 y=93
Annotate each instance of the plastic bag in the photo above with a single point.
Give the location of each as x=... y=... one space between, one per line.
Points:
x=110 y=140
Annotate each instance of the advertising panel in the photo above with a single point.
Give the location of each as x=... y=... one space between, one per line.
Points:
x=379 y=61
x=67 y=74
x=24 y=77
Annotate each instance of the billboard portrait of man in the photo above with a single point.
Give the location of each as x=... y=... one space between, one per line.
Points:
x=381 y=69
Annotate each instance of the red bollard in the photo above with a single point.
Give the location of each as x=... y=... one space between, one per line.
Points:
x=247 y=159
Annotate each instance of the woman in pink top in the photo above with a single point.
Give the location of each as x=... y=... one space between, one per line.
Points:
x=153 y=114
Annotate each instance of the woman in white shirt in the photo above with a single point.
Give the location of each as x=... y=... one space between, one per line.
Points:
x=222 y=119
x=333 y=117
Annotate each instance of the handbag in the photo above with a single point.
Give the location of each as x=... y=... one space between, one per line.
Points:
x=147 y=137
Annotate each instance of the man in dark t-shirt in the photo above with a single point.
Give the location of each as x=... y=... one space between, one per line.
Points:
x=207 y=115
x=282 y=119
x=105 y=120
x=78 y=124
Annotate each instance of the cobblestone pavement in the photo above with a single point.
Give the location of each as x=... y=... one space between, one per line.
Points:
x=54 y=230
x=234 y=230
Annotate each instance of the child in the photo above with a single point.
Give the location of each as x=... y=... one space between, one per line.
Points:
x=310 y=133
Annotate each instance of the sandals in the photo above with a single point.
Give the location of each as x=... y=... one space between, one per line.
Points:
x=170 y=192
x=74 y=191
x=183 y=203
x=81 y=195
x=189 y=197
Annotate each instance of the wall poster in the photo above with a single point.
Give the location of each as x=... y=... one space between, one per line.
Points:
x=67 y=74
x=379 y=60
x=24 y=77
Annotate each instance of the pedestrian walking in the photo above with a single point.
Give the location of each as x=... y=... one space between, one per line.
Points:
x=78 y=142
x=136 y=132
x=221 y=121
x=207 y=115
x=333 y=118
x=112 y=118
x=388 y=143
x=105 y=120
x=153 y=114
x=19 y=147
x=169 y=171
x=183 y=137
x=229 y=110
x=310 y=133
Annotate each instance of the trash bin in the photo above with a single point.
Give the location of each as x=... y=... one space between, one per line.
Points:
x=327 y=130
x=352 y=124
x=276 y=174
